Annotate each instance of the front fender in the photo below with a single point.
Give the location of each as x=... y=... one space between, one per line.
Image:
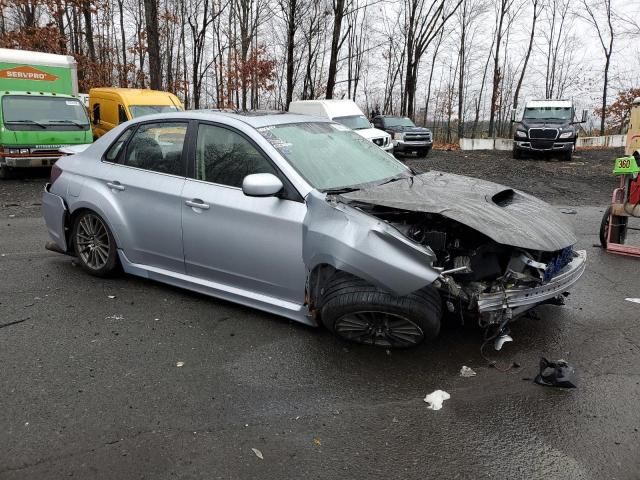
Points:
x=352 y=241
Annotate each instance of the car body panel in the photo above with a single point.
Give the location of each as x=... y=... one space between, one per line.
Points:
x=55 y=212
x=350 y=240
x=517 y=219
x=251 y=243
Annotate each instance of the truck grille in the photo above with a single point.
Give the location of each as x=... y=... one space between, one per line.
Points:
x=544 y=133
x=417 y=137
x=542 y=144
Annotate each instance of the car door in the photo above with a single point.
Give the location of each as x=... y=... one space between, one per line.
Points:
x=144 y=171
x=250 y=243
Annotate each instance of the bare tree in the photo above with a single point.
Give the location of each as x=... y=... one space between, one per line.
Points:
x=502 y=13
x=153 y=42
x=422 y=24
x=536 y=13
x=606 y=35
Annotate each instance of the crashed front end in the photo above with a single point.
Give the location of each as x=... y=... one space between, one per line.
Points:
x=499 y=252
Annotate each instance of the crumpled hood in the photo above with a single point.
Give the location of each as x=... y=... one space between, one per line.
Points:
x=507 y=216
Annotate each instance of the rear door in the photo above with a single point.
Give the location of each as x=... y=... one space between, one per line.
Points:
x=250 y=243
x=145 y=174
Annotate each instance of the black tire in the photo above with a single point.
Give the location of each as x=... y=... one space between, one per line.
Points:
x=363 y=313
x=567 y=156
x=94 y=244
x=6 y=173
x=516 y=154
x=423 y=153
x=618 y=229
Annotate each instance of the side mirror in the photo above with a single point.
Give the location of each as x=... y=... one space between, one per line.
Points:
x=584 y=116
x=513 y=115
x=261 y=185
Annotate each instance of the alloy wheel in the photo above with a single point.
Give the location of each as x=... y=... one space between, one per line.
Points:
x=92 y=240
x=379 y=328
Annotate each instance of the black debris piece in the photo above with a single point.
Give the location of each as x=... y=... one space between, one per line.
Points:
x=556 y=374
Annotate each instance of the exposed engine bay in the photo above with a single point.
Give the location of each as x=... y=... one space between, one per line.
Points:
x=472 y=263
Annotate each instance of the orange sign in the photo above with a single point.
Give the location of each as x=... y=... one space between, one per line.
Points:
x=27 y=73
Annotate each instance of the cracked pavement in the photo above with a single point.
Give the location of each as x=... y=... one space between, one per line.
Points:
x=90 y=386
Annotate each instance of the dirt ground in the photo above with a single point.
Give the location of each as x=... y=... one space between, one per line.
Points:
x=586 y=180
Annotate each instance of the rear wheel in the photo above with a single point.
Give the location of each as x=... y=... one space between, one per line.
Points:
x=618 y=228
x=360 y=312
x=94 y=244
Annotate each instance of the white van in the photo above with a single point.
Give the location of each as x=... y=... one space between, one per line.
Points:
x=347 y=113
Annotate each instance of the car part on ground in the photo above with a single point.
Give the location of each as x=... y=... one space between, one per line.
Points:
x=370 y=249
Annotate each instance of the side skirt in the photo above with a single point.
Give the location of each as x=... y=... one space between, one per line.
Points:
x=277 y=306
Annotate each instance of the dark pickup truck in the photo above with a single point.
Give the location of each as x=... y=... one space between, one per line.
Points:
x=547 y=127
x=406 y=136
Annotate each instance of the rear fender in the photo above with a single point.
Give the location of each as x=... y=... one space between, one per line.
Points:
x=96 y=196
x=348 y=239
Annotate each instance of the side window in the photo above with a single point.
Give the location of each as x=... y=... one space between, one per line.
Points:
x=157 y=147
x=377 y=123
x=122 y=114
x=226 y=157
x=115 y=150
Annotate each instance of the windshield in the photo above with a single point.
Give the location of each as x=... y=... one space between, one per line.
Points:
x=43 y=113
x=354 y=122
x=398 y=122
x=142 y=110
x=330 y=156
x=547 y=113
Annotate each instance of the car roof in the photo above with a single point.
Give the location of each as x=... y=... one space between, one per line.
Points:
x=254 y=119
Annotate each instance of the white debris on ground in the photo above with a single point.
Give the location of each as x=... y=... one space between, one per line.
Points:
x=258 y=453
x=111 y=296
x=180 y=364
x=435 y=399
x=634 y=300
x=467 y=372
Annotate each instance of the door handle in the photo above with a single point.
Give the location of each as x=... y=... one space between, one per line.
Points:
x=197 y=203
x=115 y=185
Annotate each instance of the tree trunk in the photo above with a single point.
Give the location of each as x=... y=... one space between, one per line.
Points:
x=291 y=35
x=338 y=15
x=153 y=43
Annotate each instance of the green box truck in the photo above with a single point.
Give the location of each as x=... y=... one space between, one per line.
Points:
x=39 y=109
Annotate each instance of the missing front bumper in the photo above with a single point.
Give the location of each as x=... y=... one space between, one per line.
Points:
x=523 y=299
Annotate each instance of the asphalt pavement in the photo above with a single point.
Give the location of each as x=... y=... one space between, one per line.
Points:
x=161 y=383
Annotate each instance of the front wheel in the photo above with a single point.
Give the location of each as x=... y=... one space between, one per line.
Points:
x=423 y=153
x=516 y=153
x=94 y=244
x=618 y=228
x=363 y=313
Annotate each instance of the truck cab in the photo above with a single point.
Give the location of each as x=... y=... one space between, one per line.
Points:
x=109 y=107
x=547 y=127
x=39 y=109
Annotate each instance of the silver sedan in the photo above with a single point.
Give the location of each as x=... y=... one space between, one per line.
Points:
x=304 y=218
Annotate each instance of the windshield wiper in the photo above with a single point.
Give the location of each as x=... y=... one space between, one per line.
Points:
x=31 y=122
x=402 y=176
x=77 y=124
x=338 y=191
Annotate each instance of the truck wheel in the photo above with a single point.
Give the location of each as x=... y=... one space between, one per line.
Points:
x=566 y=156
x=94 y=244
x=6 y=173
x=516 y=154
x=423 y=153
x=618 y=228
x=363 y=313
